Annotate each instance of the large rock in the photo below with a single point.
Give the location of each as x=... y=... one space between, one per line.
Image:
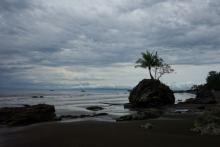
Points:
x=17 y=116
x=204 y=95
x=151 y=93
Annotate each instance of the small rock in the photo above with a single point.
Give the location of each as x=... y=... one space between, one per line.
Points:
x=37 y=96
x=68 y=117
x=94 y=108
x=100 y=114
x=147 y=126
x=147 y=114
x=84 y=115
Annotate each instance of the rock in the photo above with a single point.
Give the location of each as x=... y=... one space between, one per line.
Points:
x=200 y=100
x=147 y=126
x=64 y=117
x=142 y=115
x=188 y=101
x=94 y=108
x=17 y=116
x=209 y=129
x=204 y=100
x=208 y=123
x=37 y=96
x=201 y=107
x=204 y=95
x=84 y=116
x=151 y=93
x=68 y=117
x=26 y=105
x=83 y=90
x=125 y=118
x=100 y=114
x=128 y=106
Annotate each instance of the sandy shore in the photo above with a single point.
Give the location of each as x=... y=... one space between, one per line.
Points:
x=165 y=132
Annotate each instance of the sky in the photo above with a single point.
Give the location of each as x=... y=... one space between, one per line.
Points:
x=95 y=43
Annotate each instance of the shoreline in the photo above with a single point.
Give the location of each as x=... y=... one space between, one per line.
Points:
x=165 y=132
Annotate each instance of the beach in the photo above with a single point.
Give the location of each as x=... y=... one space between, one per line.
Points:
x=166 y=132
x=171 y=129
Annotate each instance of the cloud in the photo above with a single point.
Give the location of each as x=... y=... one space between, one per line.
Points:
x=38 y=35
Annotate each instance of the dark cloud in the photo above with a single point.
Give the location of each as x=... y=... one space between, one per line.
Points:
x=57 y=34
x=13 y=5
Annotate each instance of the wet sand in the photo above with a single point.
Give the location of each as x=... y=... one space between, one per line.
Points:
x=165 y=133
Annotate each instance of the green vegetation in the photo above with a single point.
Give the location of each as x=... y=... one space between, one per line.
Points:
x=212 y=82
x=155 y=65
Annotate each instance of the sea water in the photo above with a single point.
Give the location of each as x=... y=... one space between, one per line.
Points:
x=75 y=102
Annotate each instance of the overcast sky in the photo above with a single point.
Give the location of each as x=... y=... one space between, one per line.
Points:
x=95 y=43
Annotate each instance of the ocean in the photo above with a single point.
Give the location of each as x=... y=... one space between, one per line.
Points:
x=75 y=102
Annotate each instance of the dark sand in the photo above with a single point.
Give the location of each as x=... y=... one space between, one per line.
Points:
x=165 y=133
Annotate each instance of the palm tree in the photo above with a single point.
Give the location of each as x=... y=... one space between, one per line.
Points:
x=150 y=60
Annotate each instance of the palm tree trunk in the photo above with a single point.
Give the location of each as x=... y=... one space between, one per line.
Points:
x=149 y=68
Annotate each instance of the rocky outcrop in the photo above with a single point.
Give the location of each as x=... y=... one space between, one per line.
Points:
x=151 y=93
x=17 y=116
x=204 y=95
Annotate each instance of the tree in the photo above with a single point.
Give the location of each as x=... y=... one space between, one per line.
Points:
x=154 y=64
x=212 y=83
x=213 y=80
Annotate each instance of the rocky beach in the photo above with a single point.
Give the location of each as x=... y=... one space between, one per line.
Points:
x=134 y=119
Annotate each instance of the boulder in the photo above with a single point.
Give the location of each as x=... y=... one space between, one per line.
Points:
x=17 y=116
x=151 y=93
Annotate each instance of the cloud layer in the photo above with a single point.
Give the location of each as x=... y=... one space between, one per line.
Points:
x=64 y=40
